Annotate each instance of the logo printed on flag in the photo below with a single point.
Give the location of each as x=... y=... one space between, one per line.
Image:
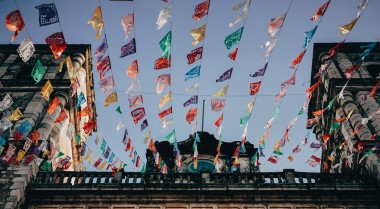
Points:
x=162 y=63
x=48 y=14
x=201 y=10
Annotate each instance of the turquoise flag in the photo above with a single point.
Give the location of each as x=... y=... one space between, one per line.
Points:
x=308 y=36
x=197 y=137
x=277 y=152
x=193 y=73
x=81 y=99
x=170 y=137
x=334 y=126
x=368 y=49
x=38 y=71
x=233 y=38
x=165 y=44
x=331 y=103
x=118 y=110
x=244 y=120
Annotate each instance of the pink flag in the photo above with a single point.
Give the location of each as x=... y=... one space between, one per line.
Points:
x=191 y=114
x=128 y=23
x=133 y=69
x=106 y=84
x=276 y=24
x=135 y=100
x=138 y=114
x=103 y=66
x=217 y=104
x=165 y=112
x=290 y=81
x=162 y=82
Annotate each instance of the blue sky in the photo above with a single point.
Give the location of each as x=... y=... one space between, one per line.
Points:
x=73 y=21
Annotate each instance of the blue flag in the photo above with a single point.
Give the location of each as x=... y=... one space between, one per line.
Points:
x=368 y=48
x=195 y=72
x=2 y=141
x=24 y=128
x=128 y=49
x=144 y=124
x=225 y=76
x=48 y=14
x=81 y=99
x=308 y=36
x=260 y=72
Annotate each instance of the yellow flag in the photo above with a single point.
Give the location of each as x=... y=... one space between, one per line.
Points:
x=46 y=90
x=120 y=166
x=277 y=145
x=165 y=99
x=250 y=105
x=261 y=141
x=20 y=155
x=45 y=153
x=347 y=27
x=221 y=92
x=147 y=138
x=69 y=66
x=16 y=115
x=111 y=99
x=291 y=158
x=101 y=166
x=198 y=34
x=97 y=21
x=88 y=156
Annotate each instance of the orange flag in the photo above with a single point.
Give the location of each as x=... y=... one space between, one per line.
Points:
x=313 y=87
x=219 y=121
x=374 y=89
x=85 y=112
x=62 y=116
x=191 y=115
x=133 y=69
x=53 y=105
x=319 y=112
x=14 y=22
x=298 y=59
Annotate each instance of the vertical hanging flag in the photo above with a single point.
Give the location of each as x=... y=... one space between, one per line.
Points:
x=165 y=112
x=201 y=10
x=233 y=38
x=225 y=76
x=133 y=69
x=198 y=34
x=221 y=92
x=320 y=11
x=85 y=112
x=128 y=49
x=38 y=71
x=308 y=36
x=101 y=50
x=260 y=72
x=111 y=98
x=192 y=100
x=165 y=99
x=323 y=68
x=162 y=82
x=26 y=49
x=362 y=6
x=350 y=71
x=374 y=89
x=14 y=22
x=57 y=44
x=106 y=84
x=164 y=17
x=46 y=90
x=245 y=5
x=368 y=49
x=135 y=86
x=162 y=63
x=135 y=100
x=138 y=114
x=217 y=104
x=103 y=66
x=194 y=55
x=128 y=23
x=191 y=114
x=250 y=106
x=334 y=50
x=254 y=88
x=233 y=54
x=193 y=73
x=48 y=14
x=53 y=105
x=120 y=126
x=62 y=116
x=144 y=124
x=165 y=44
x=219 y=121
x=275 y=25
x=96 y=21
x=298 y=59
x=347 y=27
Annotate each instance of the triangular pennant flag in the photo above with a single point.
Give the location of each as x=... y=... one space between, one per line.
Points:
x=223 y=91
x=233 y=54
x=6 y=102
x=275 y=25
x=308 y=36
x=245 y=5
x=62 y=116
x=103 y=66
x=96 y=21
x=135 y=100
x=91 y=124
x=347 y=27
x=165 y=44
x=297 y=60
x=118 y=110
x=291 y=80
x=111 y=98
x=320 y=11
x=193 y=88
x=260 y=72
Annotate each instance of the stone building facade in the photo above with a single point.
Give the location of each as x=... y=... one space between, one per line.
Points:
x=57 y=140
x=354 y=147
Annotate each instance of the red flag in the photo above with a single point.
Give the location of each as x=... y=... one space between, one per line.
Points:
x=315 y=158
x=91 y=124
x=297 y=149
x=97 y=163
x=191 y=114
x=340 y=120
x=128 y=147
x=320 y=11
x=53 y=105
x=326 y=137
x=165 y=112
x=162 y=63
x=85 y=112
x=14 y=22
x=219 y=121
x=62 y=116
x=138 y=114
x=201 y=10
x=236 y=152
x=35 y=136
x=313 y=87
x=335 y=50
x=254 y=88
x=137 y=161
x=103 y=66
x=57 y=44
x=351 y=70
x=233 y=54
x=151 y=146
x=273 y=159
x=17 y=136
x=373 y=91
x=298 y=59
x=194 y=55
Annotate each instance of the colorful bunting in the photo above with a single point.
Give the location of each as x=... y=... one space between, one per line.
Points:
x=290 y=81
x=368 y=49
x=138 y=114
x=245 y=5
x=233 y=54
x=62 y=116
x=162 y=63
x=101 y=50
x=14 y=22
x=164 y=17
x=38 y=71
x=233 y=38
x=193 y=88
x=165 y=44
x=48 y=14
x=46 y=90
x=57 y=44
x=171 y=137
x=347 y=27
x=111 y=98
x=250 y=106
x=221 y=92
x=297 y=60
x=135 y=100
x=96 y=21
x=225 y=76
x=260 y=72
x=91 y=124
x=201 y=10
x=144 y=124
x=106 y=84
x=134 y=87
x=103 y=66
x=313 y=87
x=217 y=104
x=165 y=112
x=128 y=23
x=80 y=100
x=308 y=36
x=193 y=73
x=273 y=159
x=192 y=100
x=254 y=88
x=128 y=49
x=323 y=68
x=191 y=115
x=133 y=69
x=374 y=89
x=194 y=55
x=198 y=34
x=219 y=121
x=26 y=49
x=165 y=99
x=162 y=82
x=350 y=71
x=275 y=25
x=320 y=11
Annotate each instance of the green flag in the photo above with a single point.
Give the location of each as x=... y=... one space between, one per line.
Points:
x=103 y=146
x=300 y=112
x=45 y=166
x=165 y=44
x=244 y=120
x=77 y=138
x=143 y=169
x=195 y=145
x=331 y=103
x=59 y=154
x=171 y=137
x=233 y=38
x=277 y=152
x=118 y=110
x=334 y=126
x=38 y=71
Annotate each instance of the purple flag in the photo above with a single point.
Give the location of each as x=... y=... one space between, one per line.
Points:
x=315 y=145
x=128 y=49
x=192 y=100
x=125 y=138
x=144 y=124
x=101 y=50
x=260 y=72
x=106 y=84
x=225 y=76
x=107 y=153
